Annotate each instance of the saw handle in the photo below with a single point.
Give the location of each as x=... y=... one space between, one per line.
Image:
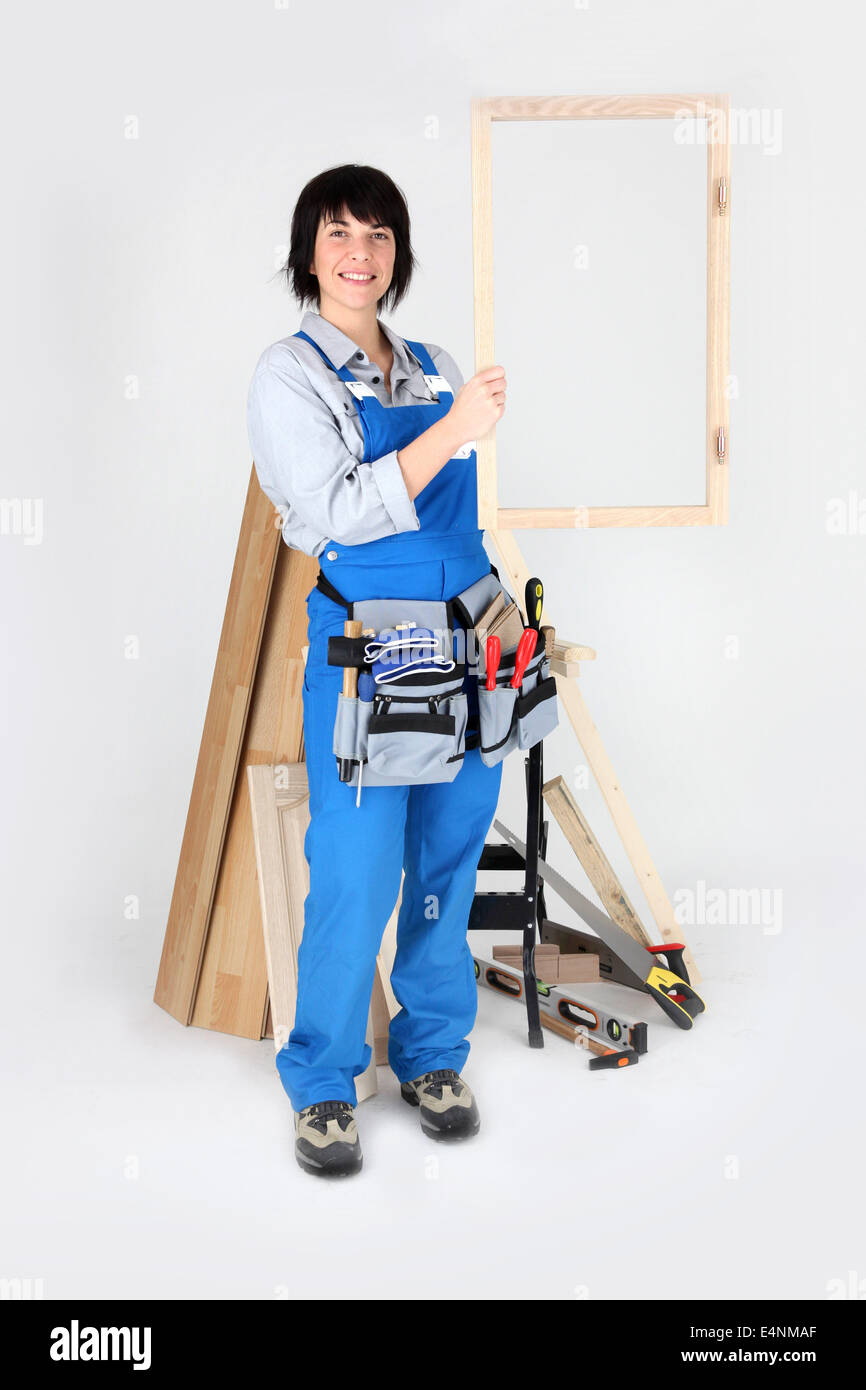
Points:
x=676 y=998
x=673 y=954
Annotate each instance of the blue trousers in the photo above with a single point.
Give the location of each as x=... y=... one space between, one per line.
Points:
x=434 y=831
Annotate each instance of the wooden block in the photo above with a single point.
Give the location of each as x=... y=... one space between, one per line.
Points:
x=551 y=967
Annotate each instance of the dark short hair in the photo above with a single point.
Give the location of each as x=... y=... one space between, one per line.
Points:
x=368 y=194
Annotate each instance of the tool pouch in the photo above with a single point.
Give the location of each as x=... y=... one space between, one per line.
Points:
x=414 y=729
x=507 y=718
x=510 y=718
x=537 y=713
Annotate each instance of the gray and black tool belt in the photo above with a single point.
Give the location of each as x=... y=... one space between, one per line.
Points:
x=413 y=729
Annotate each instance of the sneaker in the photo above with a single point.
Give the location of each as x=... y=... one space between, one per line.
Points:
x=448 y=1109
x=326 y=1139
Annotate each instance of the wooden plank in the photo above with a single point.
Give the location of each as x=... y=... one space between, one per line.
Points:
x=596 y=864
x=589 y=518
x=232 y=991
x=381 y=1018
x=654 y=105
x=482 y=282
x=279 y=806
x=718 y=317
x=219 y=756
x=567 y=652
x=572 y=702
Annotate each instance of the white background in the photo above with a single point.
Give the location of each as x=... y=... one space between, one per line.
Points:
x=145 y=1159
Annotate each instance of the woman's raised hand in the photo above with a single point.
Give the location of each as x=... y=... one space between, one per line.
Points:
x=479 y=404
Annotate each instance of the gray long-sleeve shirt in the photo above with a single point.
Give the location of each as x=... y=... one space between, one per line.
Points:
x=307 y=441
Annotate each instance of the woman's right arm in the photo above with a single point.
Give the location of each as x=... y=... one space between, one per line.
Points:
x=477 y=407
x=301 y=459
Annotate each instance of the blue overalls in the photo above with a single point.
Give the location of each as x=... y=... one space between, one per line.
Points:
x=434 y=831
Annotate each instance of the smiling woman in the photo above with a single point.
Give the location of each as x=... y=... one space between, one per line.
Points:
x=337 y=212
x=373 y=469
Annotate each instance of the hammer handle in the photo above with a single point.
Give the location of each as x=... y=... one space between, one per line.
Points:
x=351 y=628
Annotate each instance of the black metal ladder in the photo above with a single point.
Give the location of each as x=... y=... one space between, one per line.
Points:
x=520 y=911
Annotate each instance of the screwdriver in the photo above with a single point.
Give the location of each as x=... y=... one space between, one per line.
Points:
x=533 y=600
x=525 y=649
x=494 y=652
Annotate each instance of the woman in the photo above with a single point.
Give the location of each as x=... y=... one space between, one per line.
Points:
x=383 y=491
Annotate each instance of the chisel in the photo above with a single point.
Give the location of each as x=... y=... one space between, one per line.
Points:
x=677 y=998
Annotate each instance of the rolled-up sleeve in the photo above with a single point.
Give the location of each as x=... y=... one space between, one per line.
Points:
x=302 y=462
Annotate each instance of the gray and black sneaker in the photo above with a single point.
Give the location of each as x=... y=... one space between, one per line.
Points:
x=448 y=1109
x=326 y=1139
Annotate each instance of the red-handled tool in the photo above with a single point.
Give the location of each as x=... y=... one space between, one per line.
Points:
x=525 y=649
x=493 y=653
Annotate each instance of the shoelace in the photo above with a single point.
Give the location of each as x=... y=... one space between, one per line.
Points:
x=329 y=1107
x=435 y=1080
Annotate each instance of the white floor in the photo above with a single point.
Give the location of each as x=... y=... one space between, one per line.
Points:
x=143 y=1159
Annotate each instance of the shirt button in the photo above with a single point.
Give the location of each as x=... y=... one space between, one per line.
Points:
x=375 y=380
x=332 y=554
x=360 y=356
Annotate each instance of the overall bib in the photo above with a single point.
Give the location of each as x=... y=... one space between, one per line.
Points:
x=433 y=831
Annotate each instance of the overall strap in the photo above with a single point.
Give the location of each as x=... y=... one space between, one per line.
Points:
x=328 y=363
x=359 y=389
x=436 y=382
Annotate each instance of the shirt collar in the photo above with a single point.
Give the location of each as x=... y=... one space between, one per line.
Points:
x=339 y=348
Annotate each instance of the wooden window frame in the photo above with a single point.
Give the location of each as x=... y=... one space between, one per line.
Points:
x=715 y=108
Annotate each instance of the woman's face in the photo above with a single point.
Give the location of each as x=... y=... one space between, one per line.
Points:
x=353 y=261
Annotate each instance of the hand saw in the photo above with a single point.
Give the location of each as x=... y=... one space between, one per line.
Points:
x=676 y=998
x=571 y=941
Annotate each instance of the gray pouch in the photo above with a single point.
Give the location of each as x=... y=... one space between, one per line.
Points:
x=350 y=728
x=384 y=614
x=510 y=718
x=497 y=725
x=537 y=712
x=401 y=738
x=410 y=739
